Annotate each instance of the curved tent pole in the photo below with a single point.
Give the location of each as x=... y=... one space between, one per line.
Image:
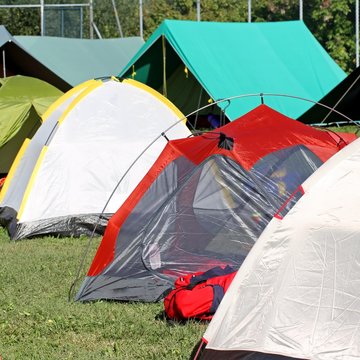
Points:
x=228 y=99
x=222 y=115
x=315 y=103
x=197 y=113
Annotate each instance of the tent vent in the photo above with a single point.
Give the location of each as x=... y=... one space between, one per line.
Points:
x=225 y=142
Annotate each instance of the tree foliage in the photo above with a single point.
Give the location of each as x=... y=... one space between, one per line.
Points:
x=331 y=21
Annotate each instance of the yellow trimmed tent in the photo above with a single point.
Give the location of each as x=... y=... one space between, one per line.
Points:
x=62 y=179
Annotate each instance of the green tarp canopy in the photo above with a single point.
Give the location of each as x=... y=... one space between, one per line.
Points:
x=191 y=62
x=344 y=98
x=78 y=60
x=23 y=100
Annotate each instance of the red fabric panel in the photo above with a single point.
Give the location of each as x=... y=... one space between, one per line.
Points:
x=259 y=133
x=343 y=138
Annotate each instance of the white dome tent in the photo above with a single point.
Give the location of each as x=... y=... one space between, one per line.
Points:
x=62 y=178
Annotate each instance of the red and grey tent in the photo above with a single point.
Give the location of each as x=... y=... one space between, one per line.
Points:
x=204 y=203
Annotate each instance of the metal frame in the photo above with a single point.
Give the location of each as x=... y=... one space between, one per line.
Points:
x=42 y=7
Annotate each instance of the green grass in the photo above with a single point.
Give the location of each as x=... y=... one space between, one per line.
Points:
x=345 y=129
x=38 y=322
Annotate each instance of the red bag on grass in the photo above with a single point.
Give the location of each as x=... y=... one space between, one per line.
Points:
x=198 y=295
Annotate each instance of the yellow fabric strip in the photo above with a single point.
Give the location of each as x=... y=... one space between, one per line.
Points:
x=31 y=181
x=115 y=78
x=64 y=97
x=89 y=89
x=13 y=168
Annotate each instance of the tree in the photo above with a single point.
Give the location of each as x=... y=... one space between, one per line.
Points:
x=21 y=21
x=332 y=22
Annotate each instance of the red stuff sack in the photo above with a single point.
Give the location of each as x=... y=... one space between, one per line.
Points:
x=198 y=295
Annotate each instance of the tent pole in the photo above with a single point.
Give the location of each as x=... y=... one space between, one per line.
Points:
x=199 y=103
x=249 y=11
x=301 y=10
x=81 y=22
x=339 y=101
x=141 y=18
x=91 y=18
x=42 y=22
x=4 y=65
x=164 y=65
x=357 y=31
x=62 y=22
x=198 y=10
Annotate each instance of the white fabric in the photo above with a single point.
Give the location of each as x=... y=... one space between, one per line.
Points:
x=94 y=146
x=298 y=291
x=24 y=169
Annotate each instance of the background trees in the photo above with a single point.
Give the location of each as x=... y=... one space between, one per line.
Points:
x=331 y=21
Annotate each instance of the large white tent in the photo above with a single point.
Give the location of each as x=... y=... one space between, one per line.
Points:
x=62 y=179
x=297 y=295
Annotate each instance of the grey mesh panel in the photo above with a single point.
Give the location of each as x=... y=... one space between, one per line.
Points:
x=126 y=278
x=184 y=237
x=165 y=235
x=128 y=246
x=147 y=288
x=280 y=173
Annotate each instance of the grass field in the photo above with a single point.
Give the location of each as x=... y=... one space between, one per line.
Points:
x=38 y=322
x=345 y=129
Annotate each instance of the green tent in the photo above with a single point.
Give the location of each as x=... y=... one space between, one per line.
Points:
x=79 y=60
x=192 y=62
x=23 y=100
